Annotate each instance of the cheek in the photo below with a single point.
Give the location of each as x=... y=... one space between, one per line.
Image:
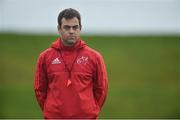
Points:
x=63 y=36
x=63 y=33
x=78 y=32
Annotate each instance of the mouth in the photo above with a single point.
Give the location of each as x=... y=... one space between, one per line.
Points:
x=72 y=37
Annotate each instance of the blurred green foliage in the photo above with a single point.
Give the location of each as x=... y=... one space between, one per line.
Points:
x=143 y=72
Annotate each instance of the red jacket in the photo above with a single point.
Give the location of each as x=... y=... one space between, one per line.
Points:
x=86 y=93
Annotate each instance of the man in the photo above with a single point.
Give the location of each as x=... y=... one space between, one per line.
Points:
x=70 y=78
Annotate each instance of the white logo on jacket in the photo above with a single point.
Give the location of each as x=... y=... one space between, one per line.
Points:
x=82 y=60
x=56 y=61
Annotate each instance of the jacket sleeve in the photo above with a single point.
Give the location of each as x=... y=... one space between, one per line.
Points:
x=40 y=82
x=100 y=87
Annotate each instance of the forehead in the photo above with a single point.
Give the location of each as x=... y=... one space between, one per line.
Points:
x=71 y=22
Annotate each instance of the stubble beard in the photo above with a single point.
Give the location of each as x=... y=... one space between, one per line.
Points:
x=69 y=42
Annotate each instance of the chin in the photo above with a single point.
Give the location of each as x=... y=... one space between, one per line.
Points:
x=72 y=41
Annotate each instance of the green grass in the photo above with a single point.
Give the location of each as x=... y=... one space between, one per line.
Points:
x=143 y=72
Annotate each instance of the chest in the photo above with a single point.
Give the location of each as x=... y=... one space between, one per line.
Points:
x=70 y=61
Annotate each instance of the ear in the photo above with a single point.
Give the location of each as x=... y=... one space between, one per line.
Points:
x=58 y=27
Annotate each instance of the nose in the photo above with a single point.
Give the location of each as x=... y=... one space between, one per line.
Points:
x=71 y=31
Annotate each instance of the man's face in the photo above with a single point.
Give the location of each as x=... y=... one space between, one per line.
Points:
x=70 y=31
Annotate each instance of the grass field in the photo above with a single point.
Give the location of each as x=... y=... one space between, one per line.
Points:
x=143 y=72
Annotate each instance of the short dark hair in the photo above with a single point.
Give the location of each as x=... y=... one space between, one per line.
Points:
x=69 y=13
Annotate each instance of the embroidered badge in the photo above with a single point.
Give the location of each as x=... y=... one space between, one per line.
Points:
x=82 y=60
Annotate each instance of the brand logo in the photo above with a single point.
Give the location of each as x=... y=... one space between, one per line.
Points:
x=82 y=60
x=56 y=61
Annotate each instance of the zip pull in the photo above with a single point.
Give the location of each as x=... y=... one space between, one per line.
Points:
x=69 y=80
x=68 y=83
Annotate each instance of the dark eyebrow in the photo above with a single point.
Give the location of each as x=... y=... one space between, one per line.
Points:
x=71 y=26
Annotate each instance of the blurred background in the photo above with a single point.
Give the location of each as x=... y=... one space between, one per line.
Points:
x=139 y=39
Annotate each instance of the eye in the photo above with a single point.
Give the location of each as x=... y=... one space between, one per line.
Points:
x=75 y=27
x=66 y=27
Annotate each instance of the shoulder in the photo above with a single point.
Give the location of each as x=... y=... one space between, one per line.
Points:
x=94 y=53
x=47 y=52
